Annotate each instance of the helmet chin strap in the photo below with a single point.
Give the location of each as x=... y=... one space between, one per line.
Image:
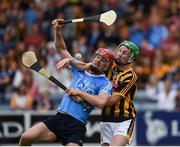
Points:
x=131 y=59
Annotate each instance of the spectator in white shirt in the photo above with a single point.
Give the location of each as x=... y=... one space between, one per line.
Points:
x=166 y=97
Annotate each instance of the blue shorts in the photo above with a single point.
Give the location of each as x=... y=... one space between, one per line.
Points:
x=66 y=128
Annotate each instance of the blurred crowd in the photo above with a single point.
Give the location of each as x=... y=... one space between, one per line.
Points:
x=153 y=25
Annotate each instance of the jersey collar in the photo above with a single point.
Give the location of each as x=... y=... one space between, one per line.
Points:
x=102 y=75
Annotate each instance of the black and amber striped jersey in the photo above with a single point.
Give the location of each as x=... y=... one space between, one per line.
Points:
x=124 y=84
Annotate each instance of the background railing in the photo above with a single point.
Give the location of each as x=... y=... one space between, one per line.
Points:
x=152 y=127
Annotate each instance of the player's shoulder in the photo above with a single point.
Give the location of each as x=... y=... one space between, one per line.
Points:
x=131 y=71
x=128 y=74
x=105 y=80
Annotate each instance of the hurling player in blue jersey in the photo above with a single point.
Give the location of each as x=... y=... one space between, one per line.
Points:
x=68 y=125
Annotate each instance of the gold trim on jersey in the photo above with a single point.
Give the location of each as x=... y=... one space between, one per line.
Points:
x=107 y=110
x=130 y=129
x=126 y=105
x=133 y=81
x=117 y=110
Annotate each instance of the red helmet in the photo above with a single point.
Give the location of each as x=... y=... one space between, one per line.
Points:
x=105 y=53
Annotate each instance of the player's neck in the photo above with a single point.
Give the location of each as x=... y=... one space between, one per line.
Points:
x=124 y=67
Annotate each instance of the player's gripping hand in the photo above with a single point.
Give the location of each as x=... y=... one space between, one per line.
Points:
x=74 y=94
x=57 y=24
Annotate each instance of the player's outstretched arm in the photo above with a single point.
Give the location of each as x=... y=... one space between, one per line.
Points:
x=61 y=46
x=59 y=41
x=95 y=100
x=72 y=61
x=113 y=99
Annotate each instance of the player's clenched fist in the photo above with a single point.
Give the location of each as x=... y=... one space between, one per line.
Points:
x=57 y=24
x=74 y=94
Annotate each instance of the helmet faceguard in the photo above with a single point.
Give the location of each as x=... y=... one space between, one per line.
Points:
x=106 y=54
x=132 y=47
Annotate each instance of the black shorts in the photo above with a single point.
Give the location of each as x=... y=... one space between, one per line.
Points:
x=66 y=128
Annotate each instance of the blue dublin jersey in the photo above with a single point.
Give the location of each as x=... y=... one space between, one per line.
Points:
x=93 y=84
